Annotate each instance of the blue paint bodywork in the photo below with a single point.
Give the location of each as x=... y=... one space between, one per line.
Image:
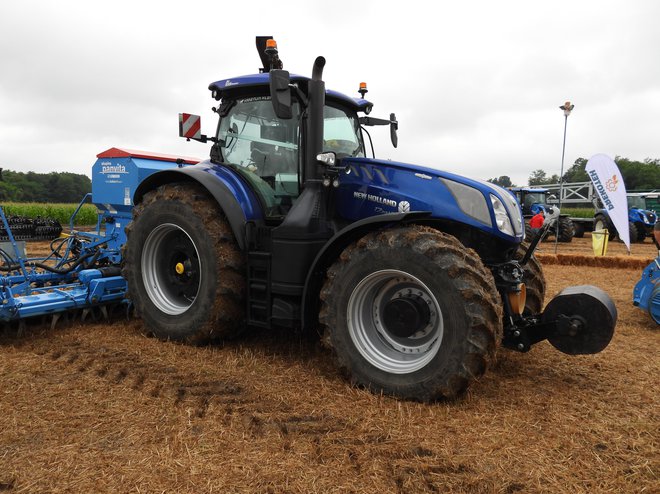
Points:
x=378 y=187
x=646 y=294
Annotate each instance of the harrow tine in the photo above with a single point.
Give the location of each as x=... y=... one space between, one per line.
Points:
x=21 y=328
x=85 y=313
x=104 y=312
x=53 y=321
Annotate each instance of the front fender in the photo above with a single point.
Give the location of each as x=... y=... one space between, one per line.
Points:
x=234 y=197
x=334 y=248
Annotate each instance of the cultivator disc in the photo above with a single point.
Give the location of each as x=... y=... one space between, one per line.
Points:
x=585 y=318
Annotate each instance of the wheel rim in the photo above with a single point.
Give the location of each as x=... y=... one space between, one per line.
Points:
x=395 y=321
x=171 y=269
x=600 y=225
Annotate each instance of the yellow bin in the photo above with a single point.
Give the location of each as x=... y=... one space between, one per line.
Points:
x=599 y=239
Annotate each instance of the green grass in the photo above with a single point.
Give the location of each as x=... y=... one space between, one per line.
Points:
x=578 y=212
x=61 y=212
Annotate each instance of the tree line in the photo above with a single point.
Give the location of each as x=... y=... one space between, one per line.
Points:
x=637 y=175
x=62 y=187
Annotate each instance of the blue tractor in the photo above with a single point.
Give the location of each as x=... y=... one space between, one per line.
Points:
x=414 y=276
x=534 y=200
x=641 y=219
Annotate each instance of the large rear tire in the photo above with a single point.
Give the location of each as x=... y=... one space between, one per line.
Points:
x=183 y=267
x=411 y=312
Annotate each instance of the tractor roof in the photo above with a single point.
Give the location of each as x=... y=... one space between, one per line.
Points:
x=227 y=86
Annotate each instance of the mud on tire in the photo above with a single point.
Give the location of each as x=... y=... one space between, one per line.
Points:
x=185 y=272
x=411 y=312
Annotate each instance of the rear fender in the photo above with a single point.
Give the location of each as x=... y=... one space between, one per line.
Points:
x=334 y=248
x=234 y=197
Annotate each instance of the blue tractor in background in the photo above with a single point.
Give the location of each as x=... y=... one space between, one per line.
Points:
x=534 y=200
x=415 y=276
x=641 y=219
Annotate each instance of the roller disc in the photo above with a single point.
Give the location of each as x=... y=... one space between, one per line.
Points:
x=586 y=318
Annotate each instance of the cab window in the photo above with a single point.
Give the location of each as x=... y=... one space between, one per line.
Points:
x=264 y=149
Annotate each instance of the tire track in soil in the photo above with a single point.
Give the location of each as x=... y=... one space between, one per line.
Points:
x=150 y=378
x=259 y=418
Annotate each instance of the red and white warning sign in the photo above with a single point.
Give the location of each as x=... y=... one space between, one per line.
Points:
x=190 y=126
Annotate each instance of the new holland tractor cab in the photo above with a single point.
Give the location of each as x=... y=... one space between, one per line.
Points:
x=534 y=200
x=415 y=275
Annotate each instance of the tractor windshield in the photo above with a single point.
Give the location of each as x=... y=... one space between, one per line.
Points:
x=341 y=133
x=636 y=202
x=534 y=197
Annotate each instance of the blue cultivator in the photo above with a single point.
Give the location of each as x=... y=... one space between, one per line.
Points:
x=81 y=274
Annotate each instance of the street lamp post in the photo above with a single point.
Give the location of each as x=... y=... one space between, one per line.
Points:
x=567 y=107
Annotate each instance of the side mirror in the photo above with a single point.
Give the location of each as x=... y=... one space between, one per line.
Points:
x=394 y=126
x=280 y=93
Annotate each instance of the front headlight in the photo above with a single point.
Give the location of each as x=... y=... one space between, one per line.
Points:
x=502 y=219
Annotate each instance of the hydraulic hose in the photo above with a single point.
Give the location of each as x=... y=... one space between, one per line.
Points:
x=51 y=269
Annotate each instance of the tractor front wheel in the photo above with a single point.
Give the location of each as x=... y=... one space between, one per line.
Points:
x=184 y=270
x=602 y=223
x=566 y=229
x=411 y=312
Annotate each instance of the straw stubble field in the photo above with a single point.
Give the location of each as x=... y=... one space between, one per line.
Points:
x=102 y=408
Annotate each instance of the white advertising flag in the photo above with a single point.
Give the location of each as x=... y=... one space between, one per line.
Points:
x=608 y=182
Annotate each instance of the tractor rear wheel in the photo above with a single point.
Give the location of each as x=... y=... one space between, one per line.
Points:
x=183 y=267
x=411 y=312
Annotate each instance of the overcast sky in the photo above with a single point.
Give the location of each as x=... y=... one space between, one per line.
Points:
x=476 y=85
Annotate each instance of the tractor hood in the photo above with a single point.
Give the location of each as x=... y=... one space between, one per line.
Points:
x=374 y=186
x=642 y=215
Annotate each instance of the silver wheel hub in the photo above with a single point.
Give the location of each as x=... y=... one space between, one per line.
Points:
x=395 y=321
x=171 y=269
